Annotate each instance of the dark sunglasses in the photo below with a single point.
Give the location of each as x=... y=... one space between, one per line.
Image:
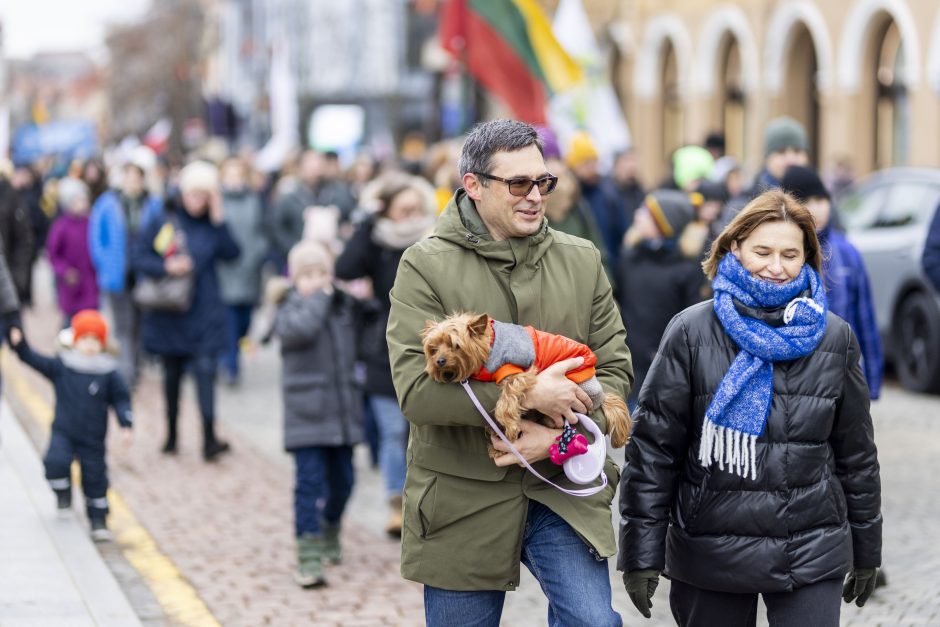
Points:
x=522 y=187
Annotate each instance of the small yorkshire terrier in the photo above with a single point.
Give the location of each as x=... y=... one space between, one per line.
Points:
x=474 y=346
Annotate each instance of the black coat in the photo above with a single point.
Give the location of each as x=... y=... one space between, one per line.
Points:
x=655 y=285
x=816 y=502
x=364 y=258
x=203 y=328
x=322 y=403
x=16 y=236
x=85 y=387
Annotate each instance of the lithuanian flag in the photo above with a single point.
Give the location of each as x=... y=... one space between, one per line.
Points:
x=508 y=46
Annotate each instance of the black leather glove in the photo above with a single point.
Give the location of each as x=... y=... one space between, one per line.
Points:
x=859 y=585
x=640 y=585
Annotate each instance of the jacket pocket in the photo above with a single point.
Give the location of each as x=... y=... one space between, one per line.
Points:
x=688 y=503
x=426 y=507
x=837 y=497
x=307 y=397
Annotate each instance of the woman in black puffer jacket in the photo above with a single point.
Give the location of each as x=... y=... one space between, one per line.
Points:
x=785 y=498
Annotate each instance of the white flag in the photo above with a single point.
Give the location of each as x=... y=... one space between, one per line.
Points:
x=592 y=105
x=285 y=116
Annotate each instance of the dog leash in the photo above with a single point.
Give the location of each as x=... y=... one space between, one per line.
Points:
x=492 y=423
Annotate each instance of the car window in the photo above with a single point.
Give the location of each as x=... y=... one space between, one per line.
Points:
x=861 y=208
x=907 y=203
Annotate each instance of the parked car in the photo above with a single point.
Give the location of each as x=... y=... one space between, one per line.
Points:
x=886 y=216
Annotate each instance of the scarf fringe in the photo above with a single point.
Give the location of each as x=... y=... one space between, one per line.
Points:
x=726 y=446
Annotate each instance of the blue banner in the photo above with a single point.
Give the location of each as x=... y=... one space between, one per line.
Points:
x=66 y=139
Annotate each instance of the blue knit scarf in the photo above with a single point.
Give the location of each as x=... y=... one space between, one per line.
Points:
x=739 y=410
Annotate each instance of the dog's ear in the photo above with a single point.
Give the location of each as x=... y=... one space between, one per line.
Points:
x=428 y=327
x=478 y=325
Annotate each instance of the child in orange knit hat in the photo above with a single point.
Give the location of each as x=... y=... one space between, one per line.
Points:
x=86 y=384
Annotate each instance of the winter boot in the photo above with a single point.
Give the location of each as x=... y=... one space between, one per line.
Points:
x=169 y=447
x=393 y=526
x=309 y=561
x=332 y=552
x=212 y=447
x=63 y=501
x=99 y=530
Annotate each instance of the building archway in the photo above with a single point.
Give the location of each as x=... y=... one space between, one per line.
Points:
x=799 y=97
x=726 y=73
x=885 y=94
x=660 y=86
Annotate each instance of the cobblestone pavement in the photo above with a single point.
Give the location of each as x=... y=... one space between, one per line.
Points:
x=227 y=526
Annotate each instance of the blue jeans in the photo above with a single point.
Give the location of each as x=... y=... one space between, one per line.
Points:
x=324 y=479
x=239 y=321
x=576 y=583
x=393 y=439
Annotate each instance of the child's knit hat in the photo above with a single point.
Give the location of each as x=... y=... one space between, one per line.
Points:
x=307 y=254
x=671 y=209
x=89 y=322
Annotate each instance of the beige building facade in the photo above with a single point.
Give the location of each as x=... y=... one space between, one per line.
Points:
x=863 y=76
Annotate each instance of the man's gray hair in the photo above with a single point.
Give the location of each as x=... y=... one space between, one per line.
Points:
x=488 y=138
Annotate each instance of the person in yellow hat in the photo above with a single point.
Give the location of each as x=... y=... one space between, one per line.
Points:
x=599 y=192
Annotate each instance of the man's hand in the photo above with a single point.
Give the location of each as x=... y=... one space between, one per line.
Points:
x=640 y=585
x=178 y=265
x=16 y=336
x=533 y=444
x=557 y=396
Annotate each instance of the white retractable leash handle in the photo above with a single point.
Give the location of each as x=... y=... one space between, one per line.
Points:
x=577 y=469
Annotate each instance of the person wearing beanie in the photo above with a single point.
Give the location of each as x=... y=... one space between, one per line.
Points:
x=656 y=279
x=86 y=384
x=189 y=238
x=402 y=213
x=848 y=289
x=599 y=192
x=68 y=250
x=785 y=145
x=691 y=164
x=317 y=325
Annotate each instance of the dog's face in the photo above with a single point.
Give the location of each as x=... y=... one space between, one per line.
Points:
x=456 y=347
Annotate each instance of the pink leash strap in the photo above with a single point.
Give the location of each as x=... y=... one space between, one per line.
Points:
x=492 y=423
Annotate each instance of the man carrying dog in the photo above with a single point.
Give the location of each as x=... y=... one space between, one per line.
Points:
x=469 y=521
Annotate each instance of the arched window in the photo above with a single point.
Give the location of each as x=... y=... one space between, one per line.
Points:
x=731 y=95
x=672 y=121
x=799 y=97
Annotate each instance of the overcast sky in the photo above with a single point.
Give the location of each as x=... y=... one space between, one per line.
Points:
x=31 y=26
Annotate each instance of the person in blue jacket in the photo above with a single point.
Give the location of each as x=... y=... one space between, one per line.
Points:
x=86 y=385
x=116 y=219
x=847 y=287
x=189 y=237
x=931 y=258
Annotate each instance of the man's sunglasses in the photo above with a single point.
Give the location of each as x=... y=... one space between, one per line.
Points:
x=522 y=187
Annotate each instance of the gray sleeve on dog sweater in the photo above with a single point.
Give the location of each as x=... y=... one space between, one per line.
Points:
x=512 y=345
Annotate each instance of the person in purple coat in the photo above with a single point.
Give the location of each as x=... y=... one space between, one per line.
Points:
x=67 y=246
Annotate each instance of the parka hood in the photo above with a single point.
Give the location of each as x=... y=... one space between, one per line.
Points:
x=461 y=224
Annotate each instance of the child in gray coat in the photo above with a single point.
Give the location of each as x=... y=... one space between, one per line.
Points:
x=316 y=324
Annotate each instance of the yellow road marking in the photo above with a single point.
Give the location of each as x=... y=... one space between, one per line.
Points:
x=176 y=596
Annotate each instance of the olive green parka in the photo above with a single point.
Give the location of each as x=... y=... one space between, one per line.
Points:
x=464 y=516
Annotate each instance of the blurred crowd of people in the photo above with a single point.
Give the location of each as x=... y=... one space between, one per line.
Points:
x=106 y=227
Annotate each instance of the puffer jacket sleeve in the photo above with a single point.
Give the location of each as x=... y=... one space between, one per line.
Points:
x=853 y=445
x=121 y=400
x=658 y=447
x=423 y=400
x=300 y=320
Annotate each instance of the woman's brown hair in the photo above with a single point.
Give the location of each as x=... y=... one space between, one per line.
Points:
x=771 y=206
